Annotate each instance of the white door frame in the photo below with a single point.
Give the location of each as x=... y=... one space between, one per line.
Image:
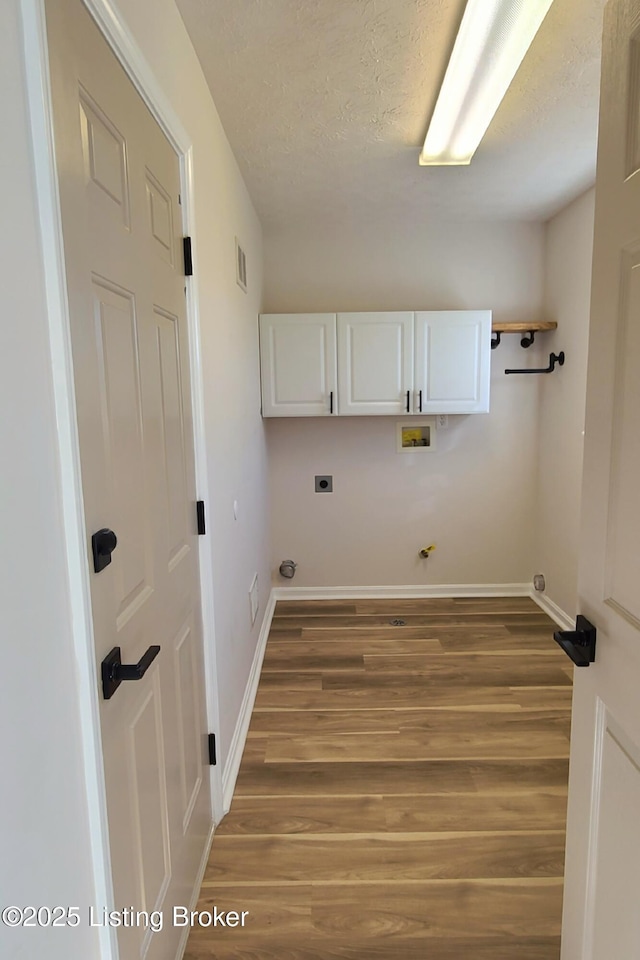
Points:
x=125 y=48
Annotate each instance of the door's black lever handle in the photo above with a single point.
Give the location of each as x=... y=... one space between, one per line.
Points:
x=114 y=671
x=578 y=644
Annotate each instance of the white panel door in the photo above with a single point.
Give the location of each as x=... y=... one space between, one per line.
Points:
x=375 y=363
x=601 y=914
x=453 y=361
x=119 y=188
x=298 y=364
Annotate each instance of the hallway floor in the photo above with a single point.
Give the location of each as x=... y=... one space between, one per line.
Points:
x=403 y=789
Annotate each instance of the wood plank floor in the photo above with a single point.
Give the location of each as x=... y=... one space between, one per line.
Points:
x=402 y=794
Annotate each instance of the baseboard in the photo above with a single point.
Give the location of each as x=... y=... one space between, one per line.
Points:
x=232 y=766
x=407 y=592
x=553 y=610
x=182 y=946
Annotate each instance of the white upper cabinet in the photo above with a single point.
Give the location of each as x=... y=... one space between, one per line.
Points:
x=298 y=364
x=375 y=363
x=452 y=361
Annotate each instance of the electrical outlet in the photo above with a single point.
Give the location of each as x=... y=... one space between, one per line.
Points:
x=324 y=484
x=442 y=421
x=254 y=600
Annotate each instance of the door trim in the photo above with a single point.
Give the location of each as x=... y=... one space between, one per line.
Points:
x=123 y=45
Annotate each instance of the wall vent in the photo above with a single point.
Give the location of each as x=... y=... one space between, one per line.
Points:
x=241 y=267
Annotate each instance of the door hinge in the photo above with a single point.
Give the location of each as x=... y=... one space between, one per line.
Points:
x=212 y=750
x=188 y=261
x=202 y=527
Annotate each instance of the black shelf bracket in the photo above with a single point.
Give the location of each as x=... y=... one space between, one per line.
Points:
x=528 y=339
x=553 y=359
x=496 y=337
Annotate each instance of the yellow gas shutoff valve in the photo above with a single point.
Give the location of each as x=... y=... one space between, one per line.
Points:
x=426 y=551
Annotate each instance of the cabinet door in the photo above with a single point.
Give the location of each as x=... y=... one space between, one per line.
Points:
x=298 y=364
x=453 y=361
x=375 y=363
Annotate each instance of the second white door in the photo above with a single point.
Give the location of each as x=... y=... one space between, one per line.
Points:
x=298 y=364
x=375 y=368
x=453 y=361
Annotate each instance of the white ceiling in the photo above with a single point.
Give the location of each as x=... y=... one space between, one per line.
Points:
x=326 y=105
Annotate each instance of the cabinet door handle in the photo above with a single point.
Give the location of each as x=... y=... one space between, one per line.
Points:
x=331 y=402
x=420 y=400
x=408 y=401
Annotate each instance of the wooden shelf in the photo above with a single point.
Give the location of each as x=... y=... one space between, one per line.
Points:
x=524 y=327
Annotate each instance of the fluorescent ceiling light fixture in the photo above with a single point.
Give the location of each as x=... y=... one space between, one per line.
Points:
x=493 y=38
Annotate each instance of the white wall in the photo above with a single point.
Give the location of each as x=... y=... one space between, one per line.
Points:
x=569 y=246
x=45 y=854
x=475 y=495
x=234 y=431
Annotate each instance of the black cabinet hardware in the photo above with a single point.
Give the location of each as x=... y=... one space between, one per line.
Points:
x=408 y=401
x=103 y=543
x=420 y=400
x=578 y=644
x=331 y=402
x=114 y=671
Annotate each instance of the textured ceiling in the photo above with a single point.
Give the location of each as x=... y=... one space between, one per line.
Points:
x=326 y=105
